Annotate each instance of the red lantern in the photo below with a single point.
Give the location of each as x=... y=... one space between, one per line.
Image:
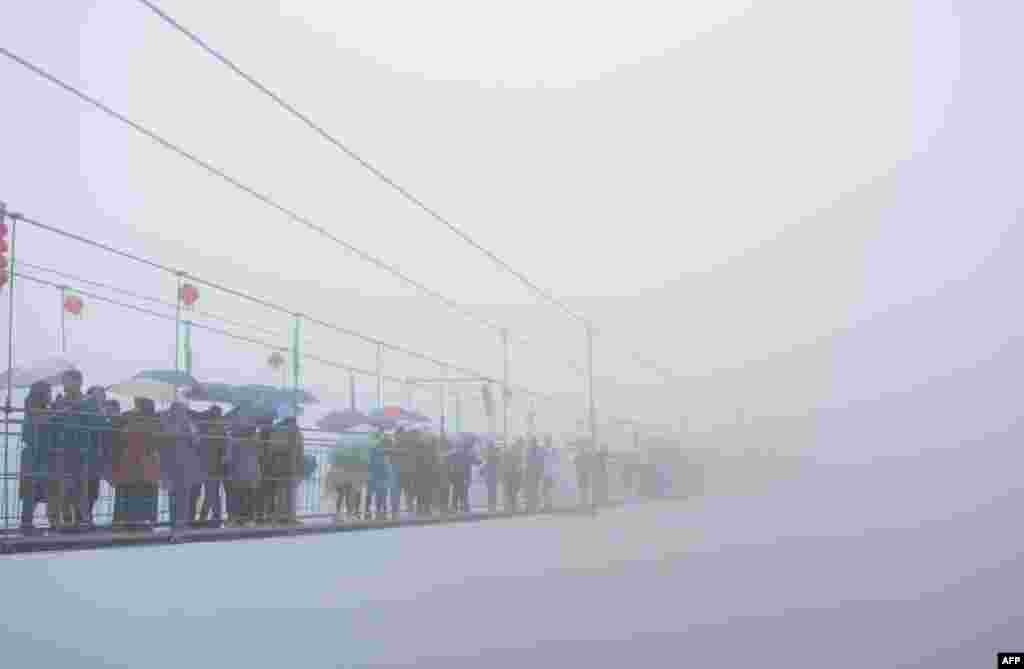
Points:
x=74 y=305
x=276 y=360
x=3 y=230
x=188 y=295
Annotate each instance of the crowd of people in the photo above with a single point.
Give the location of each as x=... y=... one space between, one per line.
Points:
x=77 y=439
x=429 y=474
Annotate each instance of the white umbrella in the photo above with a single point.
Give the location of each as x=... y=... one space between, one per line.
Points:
x=158 y=391
x=49 y=369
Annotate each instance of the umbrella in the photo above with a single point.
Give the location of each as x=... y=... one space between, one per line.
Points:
x=340 y=421
x=276 y=395
x=213 y=392
x=170 y=377
x=158 y=391
x=251 y=413
x=396 y=414
x=49 y=370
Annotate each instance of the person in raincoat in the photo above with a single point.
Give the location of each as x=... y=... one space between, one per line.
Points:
x=281 y=470
x=242 y=470
x=583 y=464
x=397 y=456
x=600 y=476
x=181 y=462
x=550 y=474
x=289 y=431
x=136 y=467
x=77 y=422
x=348 y=474
x=212 y=431
x=445 y=495
x=534 y=475
x=491 y=471
x=465 y=459
x=512 y=475
x=36 y=437
x=425 y=479
x=381 y=478
x=404 y=461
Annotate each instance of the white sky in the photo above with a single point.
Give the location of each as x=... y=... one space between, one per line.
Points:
x=725 y=185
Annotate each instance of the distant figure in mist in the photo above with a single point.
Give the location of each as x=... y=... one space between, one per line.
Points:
x=512 y=475
x=534 y=475
x=492 y=465
x=548 y=482
x=583 y=462
x=599 y=478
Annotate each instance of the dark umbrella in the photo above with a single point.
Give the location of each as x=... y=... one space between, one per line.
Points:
x=341 y=421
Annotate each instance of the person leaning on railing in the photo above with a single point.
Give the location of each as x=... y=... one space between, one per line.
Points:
x=285 y=455
x=242 y=472
x=135 y=471
x=214 y=431
x=36 y=437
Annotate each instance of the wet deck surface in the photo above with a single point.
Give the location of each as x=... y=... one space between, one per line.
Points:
x=321 y=524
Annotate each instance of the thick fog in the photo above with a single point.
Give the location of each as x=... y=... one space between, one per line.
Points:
x=810 y=211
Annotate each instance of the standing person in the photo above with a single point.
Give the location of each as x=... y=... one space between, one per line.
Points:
x=492 y=466
x=403 y=462
x=297 y=452
x=583 y=475
x=135 y=471
x=242 y=470
x=180 y=461
x=534 y=474
x=282 y=448
x=212 y=432
x=548 y=483
x=36 y=437
x=379 y=482
x=470 y=461
x=396 y=456
x=512 y=475
x=444 y=478
x=426 y=471
x=600 y=477
x=265 y=490
x=97 y=419
x=347 y=475
x=67 y=492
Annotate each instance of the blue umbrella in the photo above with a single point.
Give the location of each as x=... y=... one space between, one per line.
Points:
x=257 y=392
x=340 y=421
x=170 y=377
x=214 y=392
x=250 y=413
